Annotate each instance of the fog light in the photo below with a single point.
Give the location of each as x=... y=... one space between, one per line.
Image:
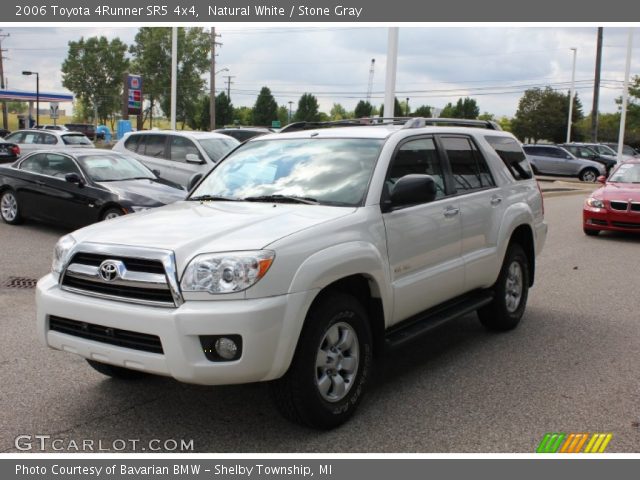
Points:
x=226 y=348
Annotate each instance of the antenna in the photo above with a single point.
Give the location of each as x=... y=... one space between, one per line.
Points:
x=371 y=72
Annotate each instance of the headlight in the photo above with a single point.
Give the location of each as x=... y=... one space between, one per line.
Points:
x=227 y=272
x=61 y=254
x=595 y=202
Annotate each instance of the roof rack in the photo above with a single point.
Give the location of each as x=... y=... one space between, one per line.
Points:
x=405 y=122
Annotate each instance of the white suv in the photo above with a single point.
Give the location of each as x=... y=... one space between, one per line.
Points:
x=300 y=257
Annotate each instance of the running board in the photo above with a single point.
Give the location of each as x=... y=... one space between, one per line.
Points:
x=426 y=321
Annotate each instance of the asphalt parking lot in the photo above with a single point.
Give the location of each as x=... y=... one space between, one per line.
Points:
x=571 y=366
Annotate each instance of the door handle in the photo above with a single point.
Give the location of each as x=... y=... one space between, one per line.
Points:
x=451 y=212
x=496 y=201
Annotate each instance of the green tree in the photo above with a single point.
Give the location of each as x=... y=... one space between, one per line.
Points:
x=152 y=60
x=243 y=116
x=17 y=107
x=201 y=119
x=307 y=110
x=398 y=111
x=464 y=108
x=363 y=109
x=283 y=115
x=265 y=109
x=337 y=112
x=422 y=111
x=93 y=71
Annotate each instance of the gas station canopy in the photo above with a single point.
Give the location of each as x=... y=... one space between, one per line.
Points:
x=26 y=96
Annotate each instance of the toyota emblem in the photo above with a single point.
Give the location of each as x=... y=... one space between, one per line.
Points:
x=110 y=270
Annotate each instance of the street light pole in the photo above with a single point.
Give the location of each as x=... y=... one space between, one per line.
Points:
x=571 y=94
x=37 y=93
x=290 y=103
x=407 y=112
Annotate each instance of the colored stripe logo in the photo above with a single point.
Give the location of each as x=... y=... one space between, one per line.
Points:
x=574 y=443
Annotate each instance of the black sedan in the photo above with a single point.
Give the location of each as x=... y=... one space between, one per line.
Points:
x=79 y=187
x=9 y=152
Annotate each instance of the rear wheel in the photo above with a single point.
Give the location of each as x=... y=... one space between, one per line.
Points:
x=116 y=372
x=9 y=208
x=510 y=292
x=330 y=369
x=588 y=175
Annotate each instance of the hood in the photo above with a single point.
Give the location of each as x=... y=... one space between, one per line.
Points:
x=619 y=191
x=189 y=228
x=145 y=192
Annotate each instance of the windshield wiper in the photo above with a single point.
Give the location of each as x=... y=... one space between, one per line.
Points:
x=204 y=198
x=282 y=199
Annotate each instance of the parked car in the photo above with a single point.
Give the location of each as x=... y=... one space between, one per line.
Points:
x=242 y=134
x=179 y=156
x=554 y=160
x=300 y=257
x=87 y=129
x=604 y=149
x=587 y=153
x=51 y=127
x=627 y=150
x=615 y=205
x=31 y=140
x=78 y=187
x=9 y=152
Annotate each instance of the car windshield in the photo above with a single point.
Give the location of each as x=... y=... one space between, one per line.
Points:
x=111 y=168
x=626 y=173
x=216 y=148
x=605 y=150
x=325 y=171
x=75 y=139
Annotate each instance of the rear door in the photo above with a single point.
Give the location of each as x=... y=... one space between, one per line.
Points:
x=179 y=148
x=423 y=241
x=152 y=151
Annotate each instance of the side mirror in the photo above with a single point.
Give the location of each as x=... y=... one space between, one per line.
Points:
x=194 y=181
x=412 y=189
x=602 y=179
x=193 y=158
x=74 y=178
x=156 y=172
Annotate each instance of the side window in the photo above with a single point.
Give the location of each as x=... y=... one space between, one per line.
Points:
x=154 y=146
x=511 y=154
x=469 y=169
x=59 y=165
x=417 y=156
x=35 y=163
x=30 y=137
x=15 y=137
x=181 y=147
x=555 y=152
x=45 y=139
x=132 y=142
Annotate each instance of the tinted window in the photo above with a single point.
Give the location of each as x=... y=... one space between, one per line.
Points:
x=470 y=171
x=109 y=168
x=50 y=164
x=131 y=143
x=75 y=140
x=46 y=139
x=15 y=137
x=180 y=147
x=512 y=155
x=417 y=156
x=154 y=145
x=35 y=164
x=216 y=148
x=553 y=152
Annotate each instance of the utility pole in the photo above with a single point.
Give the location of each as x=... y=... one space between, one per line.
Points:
x=212 y=80
x=5 y=121
x=571 y=94
x=596 y=89
x=625 y=96
x=229 y=82
x=174 y=74
x=290 y=104
x=390 y=78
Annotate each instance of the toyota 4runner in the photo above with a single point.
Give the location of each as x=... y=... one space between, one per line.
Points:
x=303 y=255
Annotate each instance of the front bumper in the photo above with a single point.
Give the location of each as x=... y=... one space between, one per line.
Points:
x=269 y=328
x=605 y=219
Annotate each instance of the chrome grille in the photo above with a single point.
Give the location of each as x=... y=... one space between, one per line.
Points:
x=137 y=275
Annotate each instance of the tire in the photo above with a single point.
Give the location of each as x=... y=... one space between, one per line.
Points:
x=111 y=213
x=119 y=373
x=326 y=381
x=10 y=208
x=511 y=291
x=590 y=232
x=588 y=175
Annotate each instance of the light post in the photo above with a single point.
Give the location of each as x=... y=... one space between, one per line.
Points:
x=407 y=112
x=571 y=94
x=290 y=103
x=37 y=94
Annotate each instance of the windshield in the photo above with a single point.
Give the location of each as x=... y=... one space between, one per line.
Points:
x=326 y=171
x=76 y=140
x=111 y=168
x=626 y=173
x=604 y=150
x=216 y=148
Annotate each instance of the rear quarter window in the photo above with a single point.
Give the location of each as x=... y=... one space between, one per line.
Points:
x=512 y=155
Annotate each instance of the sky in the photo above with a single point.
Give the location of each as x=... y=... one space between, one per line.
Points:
x=436 y=65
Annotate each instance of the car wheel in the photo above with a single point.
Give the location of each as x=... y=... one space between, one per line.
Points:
x=330 y=369
x=510 y=292
x=9 y=208
x=588 y=175
x=116 y=372
x=591 y=232
x=111 y=213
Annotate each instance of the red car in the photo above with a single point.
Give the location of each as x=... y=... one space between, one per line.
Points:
x=615 y=205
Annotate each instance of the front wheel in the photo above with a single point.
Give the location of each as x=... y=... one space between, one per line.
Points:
x=330 y=369
x=510 y=292
x=111 y=213
x=588 y=175
x=9 y=208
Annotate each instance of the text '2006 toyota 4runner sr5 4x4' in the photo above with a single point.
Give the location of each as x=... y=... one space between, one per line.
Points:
x=301 y=256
